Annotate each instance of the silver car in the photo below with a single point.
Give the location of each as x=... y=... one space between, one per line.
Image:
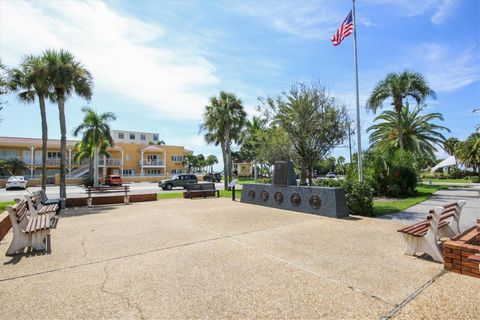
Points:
x=17 y=182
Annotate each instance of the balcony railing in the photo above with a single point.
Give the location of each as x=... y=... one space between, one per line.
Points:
x=152 y=162
x=112 y=162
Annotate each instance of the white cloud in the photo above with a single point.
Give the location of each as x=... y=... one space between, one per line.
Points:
x=446 y=69
x=309 y=19
x=443 y=11
x=126 y=56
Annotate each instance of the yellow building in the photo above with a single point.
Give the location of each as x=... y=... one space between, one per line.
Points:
x=138 y=157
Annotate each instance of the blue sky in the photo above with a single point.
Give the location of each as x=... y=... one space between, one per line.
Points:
x=156 y=63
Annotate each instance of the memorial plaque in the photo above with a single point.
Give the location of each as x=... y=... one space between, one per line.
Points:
x=280 y=174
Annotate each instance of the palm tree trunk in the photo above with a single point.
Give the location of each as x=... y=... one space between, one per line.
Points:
x=310 y=175
x=398 y=109
x=95 y=166
x=43 y=114
x=90 y=168
x=63 y=144
x=303 y=175
x=225 y=165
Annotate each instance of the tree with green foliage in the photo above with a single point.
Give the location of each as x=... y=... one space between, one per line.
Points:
x=451 y=146
x=95 y=130
x=314 y=121
x=275 y=145
x=420 y=134
x=210 y=161
x=468 y=152
x=30 y=80
x=14 y=166
x=66 y=76
x=399 y=87
x=223 y=121
x=86 y=150
x=4 y=83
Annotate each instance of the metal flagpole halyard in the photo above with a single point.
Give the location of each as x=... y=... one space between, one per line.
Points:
x=359 y=142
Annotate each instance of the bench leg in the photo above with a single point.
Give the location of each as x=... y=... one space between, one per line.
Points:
x=429 y=245
x=38 y=238
x=410 y=244
x=19 y=241
x=447 y=231
x=89 y=201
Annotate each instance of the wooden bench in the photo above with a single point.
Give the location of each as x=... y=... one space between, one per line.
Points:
x=424 y=236
x=44 y=199
x=27 y=231
x=108 y=189
x=202 y=189
x=35 y=206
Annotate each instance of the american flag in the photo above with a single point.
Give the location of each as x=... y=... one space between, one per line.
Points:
x=344 y=31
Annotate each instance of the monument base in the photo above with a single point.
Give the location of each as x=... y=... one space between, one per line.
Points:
x=323 y=201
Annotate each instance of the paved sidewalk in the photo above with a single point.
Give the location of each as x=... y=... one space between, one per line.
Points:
x=470 y=213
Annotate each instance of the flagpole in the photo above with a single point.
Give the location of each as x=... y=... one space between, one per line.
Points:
x=359 y=139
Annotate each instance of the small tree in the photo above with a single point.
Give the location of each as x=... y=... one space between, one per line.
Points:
x=314 y=121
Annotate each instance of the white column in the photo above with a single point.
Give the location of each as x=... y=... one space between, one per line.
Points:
x=104 y=170
x=121 y=162
x=31 y=160
x=141 y=163
x=165 y=162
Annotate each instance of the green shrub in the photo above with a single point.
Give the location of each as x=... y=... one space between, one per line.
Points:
x=359 y=196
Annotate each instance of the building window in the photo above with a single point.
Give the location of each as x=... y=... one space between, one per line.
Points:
x=176 y=171
x=143 y=137
x=153 y=172
x=121 y=135
x=53 y=155
x=155 y=137
x=177 y=158
x=132 y=136
x=127 y=157
x=128 y=172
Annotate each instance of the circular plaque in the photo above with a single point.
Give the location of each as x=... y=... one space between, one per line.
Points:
x=315 y=201
x=251 y=194
x=278 y=197
x=264 y=196
x=295 y=199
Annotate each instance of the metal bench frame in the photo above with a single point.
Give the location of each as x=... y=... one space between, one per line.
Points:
x=203 y=188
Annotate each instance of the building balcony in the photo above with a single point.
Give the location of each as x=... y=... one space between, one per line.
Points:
x=152 y=163
x=112 y=162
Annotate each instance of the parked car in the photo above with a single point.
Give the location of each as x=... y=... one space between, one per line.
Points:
x=16 y=182
x=178 y=181
x=212 y=177
x=114 y=180
x=331 y=175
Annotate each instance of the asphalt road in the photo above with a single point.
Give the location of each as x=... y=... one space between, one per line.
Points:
x=79 y=191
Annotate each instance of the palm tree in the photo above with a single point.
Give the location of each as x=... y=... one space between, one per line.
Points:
x=250 y=139
x=399 y=86
x=210 y=161
x=31 y=81
x=67 y=76
x=95 y=130
x=14 y=166
x=223 y=121
x=86 y=150
x=451 y=146
x=468 y=152
x=420 y=134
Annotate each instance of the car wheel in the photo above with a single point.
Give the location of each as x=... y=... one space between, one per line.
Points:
x=169 y=186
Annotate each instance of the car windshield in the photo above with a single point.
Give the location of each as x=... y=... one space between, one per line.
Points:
x=16 y=178
x=175 y=178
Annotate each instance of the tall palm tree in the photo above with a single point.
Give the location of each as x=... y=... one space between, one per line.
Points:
x=420 y=134
x=95 y=130
x=398 y=87
x=223 y=121
x=67 y=76
x=210 y=161
x=30 y=80
x=250 y=139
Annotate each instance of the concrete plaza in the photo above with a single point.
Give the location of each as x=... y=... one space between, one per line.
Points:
x=214 y=258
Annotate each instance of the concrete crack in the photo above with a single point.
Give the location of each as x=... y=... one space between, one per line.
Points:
x=130 y=304
x=412 y=296
x=83 y=246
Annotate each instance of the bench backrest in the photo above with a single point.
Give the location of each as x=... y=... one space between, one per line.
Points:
x=207 y=186
x=41 y=193
x=193 y=186
x=19 y=211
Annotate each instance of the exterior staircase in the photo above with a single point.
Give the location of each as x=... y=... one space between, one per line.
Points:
x=78 y=172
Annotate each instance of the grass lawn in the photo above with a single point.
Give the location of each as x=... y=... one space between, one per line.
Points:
x=4 y=204
x=449 y=180
x=424 y=192
x=174 y=195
